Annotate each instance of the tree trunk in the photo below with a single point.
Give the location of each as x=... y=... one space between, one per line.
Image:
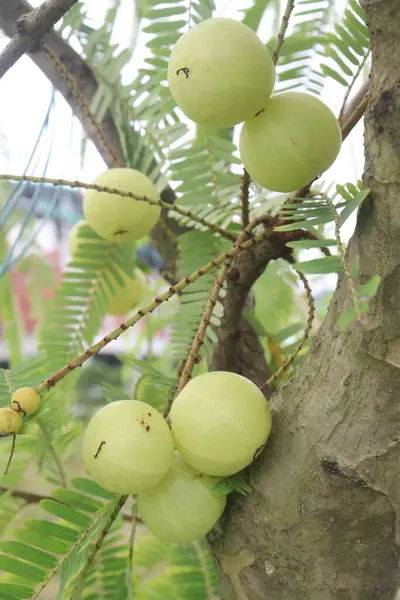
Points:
x=321 y=523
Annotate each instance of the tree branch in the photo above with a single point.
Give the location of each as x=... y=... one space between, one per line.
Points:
x=31 y=28
x=10 y=12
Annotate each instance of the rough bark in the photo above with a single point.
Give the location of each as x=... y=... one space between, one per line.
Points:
x=322 y=520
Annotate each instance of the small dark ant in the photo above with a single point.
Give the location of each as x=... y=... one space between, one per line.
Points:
x=185 y=71
x=99 y=449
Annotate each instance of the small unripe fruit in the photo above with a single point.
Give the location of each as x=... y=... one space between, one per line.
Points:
x=10 y=421
x=121 y=218
x=220 y=73
x=220 y=421
x=127 y=447
x=129 y=295
x=25 y=400
x=292 y=141
x=182 y=507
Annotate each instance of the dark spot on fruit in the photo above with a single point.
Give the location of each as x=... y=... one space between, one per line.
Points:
x=120 y=232
x=259 y=112
x=184 y=70
x=293 y=142
x=147 y=427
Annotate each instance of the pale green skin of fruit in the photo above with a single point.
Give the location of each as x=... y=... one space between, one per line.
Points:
x=220 y=420
x=132 y=459
x=182 y=506
x=120 y=218
x=231 y=73
x=129 y=295
x=294 y=139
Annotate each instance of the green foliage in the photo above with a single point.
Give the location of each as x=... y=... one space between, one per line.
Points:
x=234 y=483
x=40 y=549
x=80 y=302
x=297 y=68
x=152 y=386
x=196 y=248
x=208 y=187
x=177 y=572
x=28 y=373
x=347 y=49
x=364 y=295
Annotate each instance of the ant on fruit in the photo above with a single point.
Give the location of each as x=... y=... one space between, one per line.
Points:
x=143 y=423
x=99 y=449
x=120 y=232
x=185 y=71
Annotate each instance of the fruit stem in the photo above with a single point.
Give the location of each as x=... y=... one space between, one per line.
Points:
x=281 y=35
x=113 y=335
x=109 y=190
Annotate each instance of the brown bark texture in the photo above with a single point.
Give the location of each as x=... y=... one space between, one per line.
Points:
x=322 y=522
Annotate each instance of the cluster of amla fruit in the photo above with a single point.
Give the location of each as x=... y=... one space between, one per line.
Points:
x=219 y=423
x=221 y=74
x=24 y=402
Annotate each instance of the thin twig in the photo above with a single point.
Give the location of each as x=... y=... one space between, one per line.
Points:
x=109 y=190
x=113 y=335
x=306 y=333
x=281 y=35
x=244 y=186
x=96 y=547
x=14 y=438
x=83 y=105
x=31 y=28
x=204 y=323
